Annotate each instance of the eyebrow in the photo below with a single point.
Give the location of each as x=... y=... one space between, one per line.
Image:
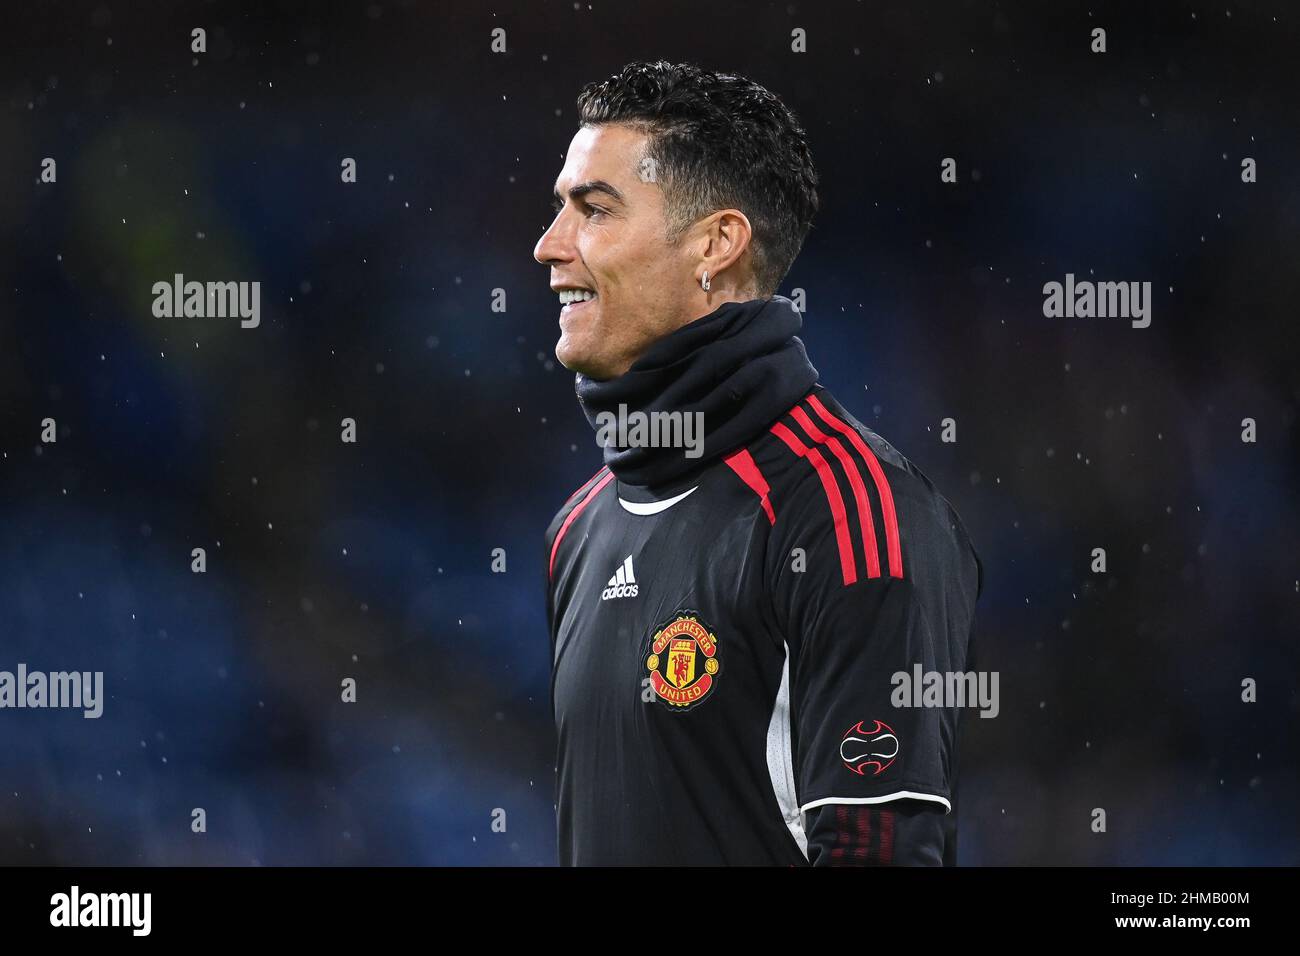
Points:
x=590 y=186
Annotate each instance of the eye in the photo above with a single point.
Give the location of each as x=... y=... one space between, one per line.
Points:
x=596 y=210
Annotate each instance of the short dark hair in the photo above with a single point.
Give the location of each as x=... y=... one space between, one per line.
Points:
x=719 y=141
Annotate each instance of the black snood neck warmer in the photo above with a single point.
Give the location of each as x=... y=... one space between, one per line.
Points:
x=741 y=367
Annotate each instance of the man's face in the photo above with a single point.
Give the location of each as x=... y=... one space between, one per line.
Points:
x=609 y=239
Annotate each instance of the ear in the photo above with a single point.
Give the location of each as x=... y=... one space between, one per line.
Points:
x=726 y=236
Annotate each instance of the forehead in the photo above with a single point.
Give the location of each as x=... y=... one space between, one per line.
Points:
x=611 y=152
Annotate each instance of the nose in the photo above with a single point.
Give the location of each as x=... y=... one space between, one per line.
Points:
x=556 y=243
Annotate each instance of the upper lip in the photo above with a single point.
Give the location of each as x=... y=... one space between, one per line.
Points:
x=562 y=286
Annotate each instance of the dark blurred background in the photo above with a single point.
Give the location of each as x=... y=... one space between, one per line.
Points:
x=373 y=560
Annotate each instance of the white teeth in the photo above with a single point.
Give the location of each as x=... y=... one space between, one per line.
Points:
x=569 y=296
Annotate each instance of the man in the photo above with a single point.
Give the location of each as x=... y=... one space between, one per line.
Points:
x=726 y=619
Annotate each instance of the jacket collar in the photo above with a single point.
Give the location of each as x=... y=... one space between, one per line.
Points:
x=733 y=372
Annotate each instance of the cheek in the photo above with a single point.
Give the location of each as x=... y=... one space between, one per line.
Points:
x=627 y=260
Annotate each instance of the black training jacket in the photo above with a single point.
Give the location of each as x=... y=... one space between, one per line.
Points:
x=725 y=627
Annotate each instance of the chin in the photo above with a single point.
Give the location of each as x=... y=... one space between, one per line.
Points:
x=573 y=358
x=584 y=363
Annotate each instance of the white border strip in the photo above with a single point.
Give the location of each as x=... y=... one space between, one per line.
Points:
x=780 y=765
x=900 y=795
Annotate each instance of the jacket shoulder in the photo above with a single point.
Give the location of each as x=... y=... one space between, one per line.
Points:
x=834 y=481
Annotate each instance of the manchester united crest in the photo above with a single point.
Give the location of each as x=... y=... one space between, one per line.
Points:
x=683 y=661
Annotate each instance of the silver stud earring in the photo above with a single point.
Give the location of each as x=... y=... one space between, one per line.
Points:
x=704 y=281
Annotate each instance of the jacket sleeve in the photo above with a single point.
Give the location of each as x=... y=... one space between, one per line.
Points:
x=899 y=833
x=872 y=772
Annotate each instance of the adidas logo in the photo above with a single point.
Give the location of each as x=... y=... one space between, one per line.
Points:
x=622 y=584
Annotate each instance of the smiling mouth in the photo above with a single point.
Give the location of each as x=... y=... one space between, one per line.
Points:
x=571 y=300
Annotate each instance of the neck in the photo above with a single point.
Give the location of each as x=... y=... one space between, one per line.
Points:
x=701 y=305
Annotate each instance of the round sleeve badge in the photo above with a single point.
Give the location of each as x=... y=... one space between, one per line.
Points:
x=683 y=661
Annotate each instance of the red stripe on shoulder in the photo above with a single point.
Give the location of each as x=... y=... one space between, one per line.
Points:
x=892 y=543
x=572 y=516
x=742 y=463
x=585 y=485
x=865 y=522
x=848 y=566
